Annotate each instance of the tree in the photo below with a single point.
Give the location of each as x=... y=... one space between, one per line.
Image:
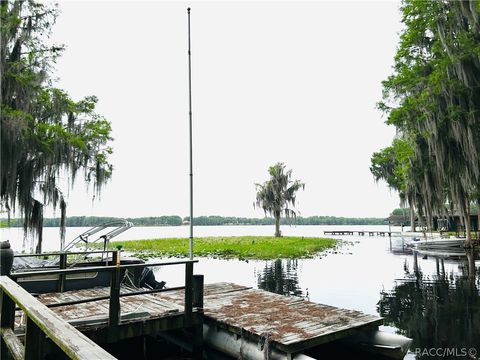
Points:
x=433 y=99
x=275 y=195
x=44 y=133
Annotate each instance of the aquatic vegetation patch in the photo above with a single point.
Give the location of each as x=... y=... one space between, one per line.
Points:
x=240 y=247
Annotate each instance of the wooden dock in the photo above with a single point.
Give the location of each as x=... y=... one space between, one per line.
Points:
x=292 y=323
x=360 y=233
x=288 y=324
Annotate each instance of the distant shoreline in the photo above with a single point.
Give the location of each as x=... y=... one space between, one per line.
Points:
x=175 y=220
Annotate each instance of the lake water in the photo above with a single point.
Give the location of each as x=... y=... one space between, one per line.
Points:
x=433 y=299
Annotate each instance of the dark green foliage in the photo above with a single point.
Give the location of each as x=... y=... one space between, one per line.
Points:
x=44 y=133
x=433 y=99
x=400 y=212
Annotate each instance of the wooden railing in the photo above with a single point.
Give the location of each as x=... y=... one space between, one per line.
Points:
x=191 y=283
x=62 y=264
x=41 y=323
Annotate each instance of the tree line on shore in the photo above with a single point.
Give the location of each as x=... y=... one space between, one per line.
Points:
x=175 y=220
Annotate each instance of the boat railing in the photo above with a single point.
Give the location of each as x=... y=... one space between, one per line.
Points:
x=42 y=325
x=119 y=226
x=193 y=286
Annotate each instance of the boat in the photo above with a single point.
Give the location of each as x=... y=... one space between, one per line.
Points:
x=93 y=258
x=444 y=253
x=440 y=243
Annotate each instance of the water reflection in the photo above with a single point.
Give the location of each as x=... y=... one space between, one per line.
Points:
x=440 y=309
x=280 y=277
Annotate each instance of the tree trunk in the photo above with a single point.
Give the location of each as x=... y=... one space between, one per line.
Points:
x=38 y=248
x=277 y=225
x=471 y=264
x=478 y=219
x=412 y=219
x=467 y=224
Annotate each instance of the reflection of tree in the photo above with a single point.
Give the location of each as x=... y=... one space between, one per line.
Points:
x=443 y=311
x=280 y=276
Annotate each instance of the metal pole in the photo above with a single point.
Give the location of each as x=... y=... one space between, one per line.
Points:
x=190 y=124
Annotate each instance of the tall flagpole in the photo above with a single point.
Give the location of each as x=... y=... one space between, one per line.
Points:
x=190 y=124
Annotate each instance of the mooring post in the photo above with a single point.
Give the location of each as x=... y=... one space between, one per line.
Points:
x=114 y=306
x=7 y=320
x=198 y=291
x=62 y=277
x=114 y=257
x=188 y=293
x=34 y=341
x=197 y=329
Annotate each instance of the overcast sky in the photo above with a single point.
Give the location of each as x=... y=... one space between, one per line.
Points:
x=295 y=82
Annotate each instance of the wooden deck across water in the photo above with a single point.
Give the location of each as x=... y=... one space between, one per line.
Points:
x=291 y=323
x=361 y=232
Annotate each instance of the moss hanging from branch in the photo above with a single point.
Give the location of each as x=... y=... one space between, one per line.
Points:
x=44 y=133
x=433 y=98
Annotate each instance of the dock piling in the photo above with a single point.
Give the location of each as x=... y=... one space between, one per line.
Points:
x=114 y=305
x=198 y=285
x=188 y=293
x=61 y=278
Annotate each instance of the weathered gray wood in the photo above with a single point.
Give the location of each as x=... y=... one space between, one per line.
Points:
x=292 y=323
x=12 y=343
x=72 y=342
x=34 y=341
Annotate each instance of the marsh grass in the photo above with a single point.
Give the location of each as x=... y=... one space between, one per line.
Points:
x=241 y=247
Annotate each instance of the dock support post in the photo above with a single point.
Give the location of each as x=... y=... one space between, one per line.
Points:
x=197 y=330
x=7 y=320
x=114 y=257
x=188 y=293
x=62 y=277
x=34 y=341
x=198 y=291
x=114 y=306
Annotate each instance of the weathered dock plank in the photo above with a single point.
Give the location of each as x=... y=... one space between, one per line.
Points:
x=293 y=323
x=140 y=314
x=156 y=307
